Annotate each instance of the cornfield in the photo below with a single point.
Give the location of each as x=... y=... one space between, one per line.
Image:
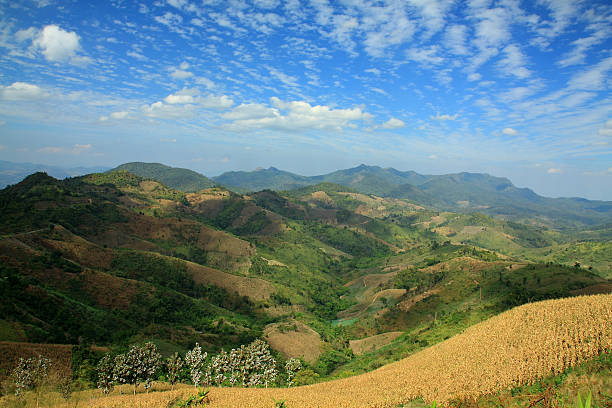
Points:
x=514 y=348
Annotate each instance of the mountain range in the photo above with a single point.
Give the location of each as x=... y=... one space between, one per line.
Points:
x=462 y=192
x=459 y=192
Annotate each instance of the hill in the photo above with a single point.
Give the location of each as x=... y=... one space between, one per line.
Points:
x=262 y=179
x=173 y=177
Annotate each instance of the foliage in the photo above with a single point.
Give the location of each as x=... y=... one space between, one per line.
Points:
x=198 y=399
x=30 y=373
x=249 y=366
x=180 y=179
x=174 y=365
x=106 y=373
x=195 y=359
x=138 y=365
x=292 y=368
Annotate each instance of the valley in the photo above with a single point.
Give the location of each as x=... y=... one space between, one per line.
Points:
x=349 y=272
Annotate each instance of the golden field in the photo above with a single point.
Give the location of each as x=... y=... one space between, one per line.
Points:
x=514 y=348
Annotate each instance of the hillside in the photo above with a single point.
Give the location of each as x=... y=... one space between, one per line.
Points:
x=515 y=348
x=179 y=179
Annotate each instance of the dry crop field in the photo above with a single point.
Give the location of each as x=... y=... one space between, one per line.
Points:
x=514 y=348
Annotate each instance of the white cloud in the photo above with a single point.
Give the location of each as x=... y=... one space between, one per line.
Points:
x=294 y=115
x=50 y=149
x=514 y=62
x=425 y=56
x=119 y=115
x=180 y=74
x=474 y=76
x=80 y=148
x=57 y=44
x=266 y=4
x=374 y=71
x=455 y=39
x=251 y=111
x=554 y=170
x=509 y=131
x=432 y=156
x=22 y=91
x=444 y=117
x=593 y=78
x=2 y=123
x=205 y=81
x=25 y=35
x=166 y=140
x=606 y=130
x=216 y=102
x=160 y=110
x=179 y=98
x=170 y=20
x=393 y=123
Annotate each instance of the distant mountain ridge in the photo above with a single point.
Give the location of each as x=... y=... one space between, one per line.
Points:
x=13 y=173
x=450 y=192
x=185 y=180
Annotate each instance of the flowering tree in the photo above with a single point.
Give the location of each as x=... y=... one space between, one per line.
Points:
x=105 y=368
x=29 y=374
x=174 y=364
x=195 y=361
x=249 y=366
x=292 y=366
x=138 y=365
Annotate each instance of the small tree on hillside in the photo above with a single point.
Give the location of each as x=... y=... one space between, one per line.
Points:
x=142 y=363
x=292 y=367
x=195 y=361
x=29 y=374
x=121 y=371
x=105 y=369
x=174 y=364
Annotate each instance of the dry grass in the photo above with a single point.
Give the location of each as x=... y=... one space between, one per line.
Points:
x=513 y=348
x=294 y=339
x=373 y=342
x=253 y=288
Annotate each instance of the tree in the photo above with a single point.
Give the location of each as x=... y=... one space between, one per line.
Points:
x=174 y=364
x=29 y=374
x=138 y=365
x=105 y=369
x=292 y=367
x=195 y=361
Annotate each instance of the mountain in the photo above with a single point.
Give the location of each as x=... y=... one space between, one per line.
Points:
x=263 y=179
x=461 y=192
x=180 y=179
x=12 y=173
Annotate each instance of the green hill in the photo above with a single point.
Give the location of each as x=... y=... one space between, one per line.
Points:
x=174 y=177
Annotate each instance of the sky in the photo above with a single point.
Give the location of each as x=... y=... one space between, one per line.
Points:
x=519 y=89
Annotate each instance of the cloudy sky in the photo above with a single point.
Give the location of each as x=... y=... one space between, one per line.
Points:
x=519 y=89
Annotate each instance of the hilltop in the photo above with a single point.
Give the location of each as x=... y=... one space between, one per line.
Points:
x=179 y=179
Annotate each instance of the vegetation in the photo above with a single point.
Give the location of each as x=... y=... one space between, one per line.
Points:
x=117 y=259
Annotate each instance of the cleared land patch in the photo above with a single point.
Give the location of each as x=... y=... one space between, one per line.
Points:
x=294 y=339
x=373 y=342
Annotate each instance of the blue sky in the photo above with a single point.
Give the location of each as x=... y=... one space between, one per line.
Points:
x=519 y=89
